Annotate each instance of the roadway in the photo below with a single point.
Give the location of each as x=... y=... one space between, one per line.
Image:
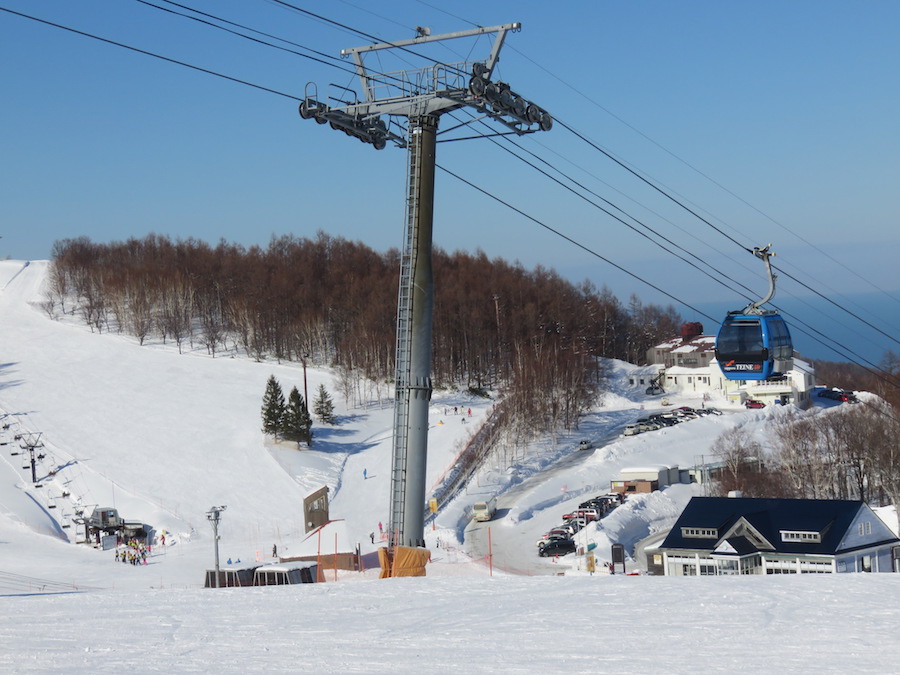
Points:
x=513 y=540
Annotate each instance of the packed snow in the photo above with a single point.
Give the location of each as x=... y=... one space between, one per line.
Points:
x=163 y=437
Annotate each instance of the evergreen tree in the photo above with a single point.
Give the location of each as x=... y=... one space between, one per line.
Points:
x=273 y=409
x=297 y=422
x=324 y=407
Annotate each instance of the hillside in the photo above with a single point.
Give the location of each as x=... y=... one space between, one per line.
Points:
x=164 y=436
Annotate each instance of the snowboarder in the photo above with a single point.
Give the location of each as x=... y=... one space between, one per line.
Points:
x=365 y=474
x=470 y=412
x=274 y=550
x=372 y=536
x=379 y=527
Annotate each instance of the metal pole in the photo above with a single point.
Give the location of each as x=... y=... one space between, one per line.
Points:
x=305 y=392
x=216 y=546
x=213 y=516
x=490 y=554
x=413 y=382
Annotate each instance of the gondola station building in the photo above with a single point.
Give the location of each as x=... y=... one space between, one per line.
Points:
x=736 y=535
x=687 y=364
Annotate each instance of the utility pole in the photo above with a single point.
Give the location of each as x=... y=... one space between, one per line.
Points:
x=213 y=516
x=420 y=96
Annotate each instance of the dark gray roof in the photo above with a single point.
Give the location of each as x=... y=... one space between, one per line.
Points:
x=769 y=517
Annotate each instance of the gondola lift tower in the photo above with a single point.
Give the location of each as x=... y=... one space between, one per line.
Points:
x=419 y=96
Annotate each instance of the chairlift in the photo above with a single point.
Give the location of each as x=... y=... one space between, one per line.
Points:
x=754 y=343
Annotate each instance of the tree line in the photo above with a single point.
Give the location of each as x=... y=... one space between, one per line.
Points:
x=849 y=451
x=529 y=333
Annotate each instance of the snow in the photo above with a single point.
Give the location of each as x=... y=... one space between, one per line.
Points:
x=163 y=437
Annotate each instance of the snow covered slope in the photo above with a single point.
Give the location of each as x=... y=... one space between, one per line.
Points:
x=163 y=437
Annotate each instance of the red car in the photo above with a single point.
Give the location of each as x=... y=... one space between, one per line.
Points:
x=753 y=403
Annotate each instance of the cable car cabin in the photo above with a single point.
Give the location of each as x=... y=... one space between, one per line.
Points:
x=754 y=346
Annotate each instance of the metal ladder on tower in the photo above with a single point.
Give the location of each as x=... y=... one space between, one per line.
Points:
x=404 y=340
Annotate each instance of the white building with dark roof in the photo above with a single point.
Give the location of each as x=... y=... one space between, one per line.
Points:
x=723 y=536
x=688 y=365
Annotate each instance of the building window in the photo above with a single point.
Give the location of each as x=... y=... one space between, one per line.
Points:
x=700 y=532
x=865 y=528
x=802 y=536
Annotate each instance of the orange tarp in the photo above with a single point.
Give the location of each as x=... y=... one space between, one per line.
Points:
x=405 y=562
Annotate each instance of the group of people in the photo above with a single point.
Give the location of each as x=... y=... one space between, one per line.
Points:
x=457 y=410
x=135 y=552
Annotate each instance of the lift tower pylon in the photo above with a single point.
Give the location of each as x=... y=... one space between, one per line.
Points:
x=420 y=96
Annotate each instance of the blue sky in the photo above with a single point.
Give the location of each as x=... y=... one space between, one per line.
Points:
x=792 y=107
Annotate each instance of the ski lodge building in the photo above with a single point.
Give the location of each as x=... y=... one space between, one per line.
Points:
x=688 y=364
x=738 y=535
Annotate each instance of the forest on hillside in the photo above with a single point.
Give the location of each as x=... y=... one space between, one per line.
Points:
x=529 y=334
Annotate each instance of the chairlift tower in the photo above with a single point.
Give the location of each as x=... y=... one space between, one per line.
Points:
x=418 y=96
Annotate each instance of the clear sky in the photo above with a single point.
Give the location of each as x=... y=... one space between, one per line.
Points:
x=793 y=108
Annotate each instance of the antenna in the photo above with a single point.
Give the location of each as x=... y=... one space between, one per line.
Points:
x=421 y=96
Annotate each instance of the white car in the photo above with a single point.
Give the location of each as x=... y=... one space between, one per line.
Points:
x=631 y=430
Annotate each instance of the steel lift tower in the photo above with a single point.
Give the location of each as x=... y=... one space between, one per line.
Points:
x=418 y=96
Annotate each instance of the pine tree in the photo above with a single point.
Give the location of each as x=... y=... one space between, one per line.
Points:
x=273 y=409
x=297 y=422
x=324 y=407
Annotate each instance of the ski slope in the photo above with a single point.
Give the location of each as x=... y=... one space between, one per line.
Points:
x=163 y=437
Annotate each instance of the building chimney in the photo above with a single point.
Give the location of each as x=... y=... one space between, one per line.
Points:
x=691 y=330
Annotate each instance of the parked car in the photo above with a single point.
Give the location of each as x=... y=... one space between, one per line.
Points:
x=556 y=547
x=839 y=395
x=754 y=403
x=714 y=411
x=586 y=445
x=631 y=430
x=663 y=420
x=547 y=538
x=648 y=425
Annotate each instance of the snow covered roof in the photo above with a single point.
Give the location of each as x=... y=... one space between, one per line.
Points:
x=645 y=469
x=322 y=540
x=651 y=369
x=700 y=343
x=286 y=567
